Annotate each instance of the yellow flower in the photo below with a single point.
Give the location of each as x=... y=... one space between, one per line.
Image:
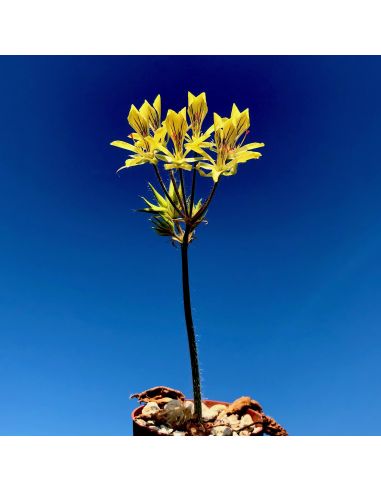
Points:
x=241 y=120
x=171 y=141
x=242 y=154
x=176 y=126
x=225 y=135
x=138 y=122
x=152 y=113
x=148 y=136
x=197 y=110
x=146 y=118
x=229 y=152
x=144 y=150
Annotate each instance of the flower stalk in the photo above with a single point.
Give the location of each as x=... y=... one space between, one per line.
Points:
x=193 y=352
x=177 y=145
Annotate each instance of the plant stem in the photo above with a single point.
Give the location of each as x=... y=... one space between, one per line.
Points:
x=192 y=192
x=176 y=188
x=206 y=204
x=184 y=192
x=166 y=192
x=190 y=327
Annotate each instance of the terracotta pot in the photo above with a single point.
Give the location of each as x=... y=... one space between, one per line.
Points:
x=140 y=430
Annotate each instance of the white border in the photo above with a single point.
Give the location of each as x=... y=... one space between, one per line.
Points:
x=113 y=464
x=196 y=27
x=192 y=27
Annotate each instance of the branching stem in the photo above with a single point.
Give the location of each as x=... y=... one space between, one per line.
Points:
x=184 y=192
x=193 y=189
x=175 y=186
x=204 y=208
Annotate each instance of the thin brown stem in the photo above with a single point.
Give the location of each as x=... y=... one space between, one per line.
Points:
x=206 y=204
x=166 y=192
x=184 y=192
x=179 y=231
x=193 y=189
x=175 y=186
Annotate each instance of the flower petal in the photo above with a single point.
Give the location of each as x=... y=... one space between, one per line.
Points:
x=123 y=145
x=138 y=122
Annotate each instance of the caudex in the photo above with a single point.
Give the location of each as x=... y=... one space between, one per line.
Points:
x=178 y=146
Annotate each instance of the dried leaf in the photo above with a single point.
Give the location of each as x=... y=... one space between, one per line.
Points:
x=158 y=394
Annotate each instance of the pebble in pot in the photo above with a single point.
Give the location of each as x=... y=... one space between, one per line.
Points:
x=150 y=409
x=221 y=430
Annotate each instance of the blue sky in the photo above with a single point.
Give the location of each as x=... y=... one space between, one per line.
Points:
x=285 y=278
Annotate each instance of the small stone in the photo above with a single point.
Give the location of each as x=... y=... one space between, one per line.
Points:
x=218 y=408
x=222 y=415
x=235 y=433
x=222 y=418
x=150 y=422
x=245 y=421
x=258 y=429
x=221 y=430
x=234 y=422
x=141 y=422
x=165 y=431
x=150 y=409
x=233 y=419
x=153 y=428
x=245 y=432
x=179 y=433
x=207 y=413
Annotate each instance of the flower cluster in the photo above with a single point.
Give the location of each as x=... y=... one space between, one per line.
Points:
x=179 y=141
